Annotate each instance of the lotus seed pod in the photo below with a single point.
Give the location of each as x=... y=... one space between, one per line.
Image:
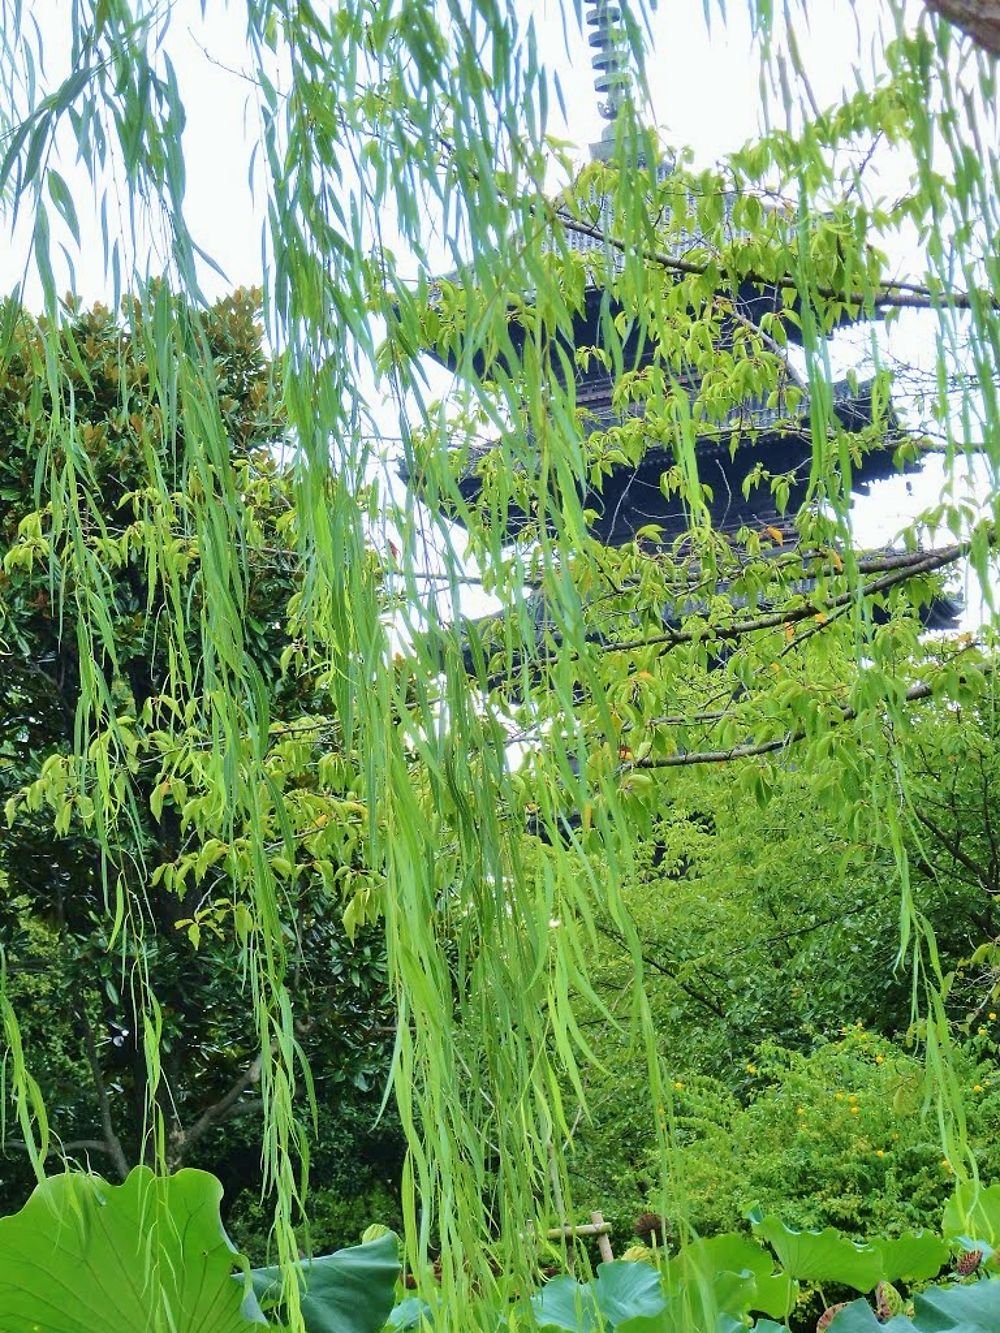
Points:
x=888 y=1301
x=968 y=1262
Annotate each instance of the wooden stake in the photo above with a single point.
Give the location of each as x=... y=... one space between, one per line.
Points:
x=601 y=1230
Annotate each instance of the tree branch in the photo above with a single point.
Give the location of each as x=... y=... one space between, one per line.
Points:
x=112 y=1144
x=226 y=1108
x=924 y=690
x=924 y=563
x=979 y=19
x=952 y=846
x=898 y=295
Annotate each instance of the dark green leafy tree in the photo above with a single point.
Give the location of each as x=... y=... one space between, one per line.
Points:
x=72 y=972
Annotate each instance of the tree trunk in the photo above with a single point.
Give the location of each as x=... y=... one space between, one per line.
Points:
x=979 y=18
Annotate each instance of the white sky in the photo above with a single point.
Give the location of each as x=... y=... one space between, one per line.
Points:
x=705 y=90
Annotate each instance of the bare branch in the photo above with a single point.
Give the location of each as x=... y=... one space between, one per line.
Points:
x=226 y=1108
x=112 y=1144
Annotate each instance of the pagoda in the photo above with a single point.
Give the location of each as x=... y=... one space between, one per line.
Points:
x=773 y=436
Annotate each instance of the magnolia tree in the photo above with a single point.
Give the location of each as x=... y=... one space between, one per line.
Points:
x=477 y=791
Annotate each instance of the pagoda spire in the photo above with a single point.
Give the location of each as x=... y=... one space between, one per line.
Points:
x=609 y=55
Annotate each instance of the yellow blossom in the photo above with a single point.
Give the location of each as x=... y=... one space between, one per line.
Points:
x=678 y=1084
x=855 y=1110
x=838 y=1096
x=991 y=1016
x=879 y=1152
x=880 y=1059
x=978 y=1088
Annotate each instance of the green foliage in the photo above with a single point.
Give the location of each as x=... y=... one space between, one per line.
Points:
x=830 y=1257
x=338 y=1214
x=347 y=1292
x=182 y=918
x=144 y=1256
x=973 y=1309
x=253 y=731
x=151 y=1254
x=835 y=1135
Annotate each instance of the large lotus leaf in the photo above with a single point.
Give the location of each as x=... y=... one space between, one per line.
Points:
x=409 y=1314
x=620 y=1293
x=859 y=1317
x=567 y=1305
x=350 y=1291
x=971 y=1309
x=828 y=1256
x=146 y=1256
x=772 y=1293
x=968 y=1309
x=675 y=1318
x=715 y=1304
x=912 y=1257
x=624 y=1291
x=975 y=1212
x=700 y=1309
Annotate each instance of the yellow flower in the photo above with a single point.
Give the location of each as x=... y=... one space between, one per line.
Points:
x=982 y=1032
x=751 y=1069
x=838 y=1096
x=880 y=1059
x=678 y=1084
x=879 y=1152
x=853 y=1097
x=855 y=1110
x=991 y=1016
x=978 y=1088
x=800 y=1110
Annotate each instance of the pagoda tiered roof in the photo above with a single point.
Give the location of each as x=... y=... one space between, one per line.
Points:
x=758 y=440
